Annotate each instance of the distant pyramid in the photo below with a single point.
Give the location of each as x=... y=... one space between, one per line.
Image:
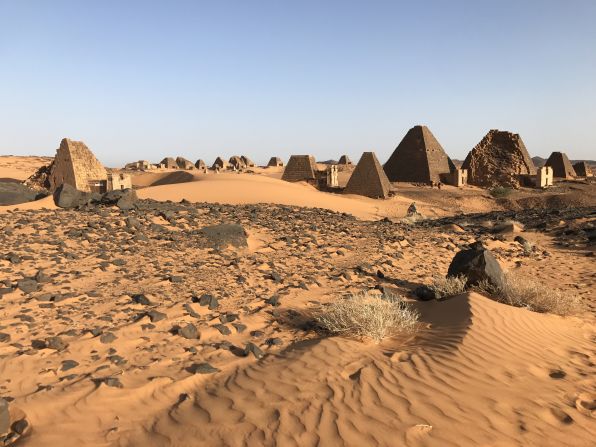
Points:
x=582 y=169
x=169 y=163
x=418 y=158
x=498 y=160
x=300 y=168
x=368 y=178
x=275 y=161
x=183 y=163
x=561 y=165
x=344 y=160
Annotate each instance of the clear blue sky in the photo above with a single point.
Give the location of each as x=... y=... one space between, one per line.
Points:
x=142 y=79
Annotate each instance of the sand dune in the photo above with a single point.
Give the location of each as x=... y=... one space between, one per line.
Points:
x=244 y=188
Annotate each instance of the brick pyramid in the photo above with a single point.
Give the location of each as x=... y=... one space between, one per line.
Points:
x=582 y=169
x=369 y=179
x=75 y=165
x=418 y=158
x=498 y=160
x=561 y=165
x=300 y=167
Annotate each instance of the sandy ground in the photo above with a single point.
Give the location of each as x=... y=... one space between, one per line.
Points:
x=14 y=167
x=477 y=373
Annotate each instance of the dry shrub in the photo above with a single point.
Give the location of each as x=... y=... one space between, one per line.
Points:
x=449 y=286
x=368 y=316
x=521 y=291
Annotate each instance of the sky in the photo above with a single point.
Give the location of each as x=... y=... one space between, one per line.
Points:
x=149 y=79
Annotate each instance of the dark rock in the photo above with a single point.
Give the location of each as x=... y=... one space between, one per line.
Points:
x=19 y=426
x=67 y=196
x=240 y=328
x=4 y=337
x=274 y=341
x=141 y=299
x=208 y=300
x=223 y=329
x=425 y=293
x=125 y=199
x=223 y=235
x=4 y=416
x=253 y=349
x=155 y=316
x=69 y=364
x=476 y=264
x=108 y=337
x=109 y=381
x=202 y=368
x=273 y=301
x=56 y=343
x=39 y=344
x=189 y=331
x=13 y=193
x=176 y=279
x=28 y=285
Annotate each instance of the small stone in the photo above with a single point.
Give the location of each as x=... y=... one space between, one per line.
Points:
x=108 y=337
x=253 y=349
x=69 y=364
x=189 y=331
x=155 y=316
x=141 y=299
x=202 y=368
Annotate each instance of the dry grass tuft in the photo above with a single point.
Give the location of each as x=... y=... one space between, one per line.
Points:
x=449 y=286
x=368 y=316
x=521 y=291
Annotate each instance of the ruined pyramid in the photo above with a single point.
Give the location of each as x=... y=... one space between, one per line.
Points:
x=498 y=160
x=368 y=179
x=418 y=158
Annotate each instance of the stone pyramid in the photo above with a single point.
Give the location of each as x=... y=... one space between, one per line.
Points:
x=582 y=169
x=300 y=168
x=498 y=160
x=75 y=164
x=418 y=158
x=561 y=165
x=368 y=178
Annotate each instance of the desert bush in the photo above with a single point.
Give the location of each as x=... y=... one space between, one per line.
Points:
x=521 y=291
x=368 y=316
x=449 y=286
x=500 y=191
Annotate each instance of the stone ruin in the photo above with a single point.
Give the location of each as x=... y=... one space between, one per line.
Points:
x=419 y=158
x=200 y=164
x=500 y=159
x=118 y=181
x=236 y=163
x=275 y=161
x=185 y=164
x=247 y=162
x=220 y=164
x=169 y=163
x=301 y=168
x=458 y=177
x=369 y=179
x=561 y=165
x=332 y=179
x=583 y=169
x=141 y=165
x=544 y=177
x=75 y=165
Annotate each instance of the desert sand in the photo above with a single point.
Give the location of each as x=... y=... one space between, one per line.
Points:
x=116 y=343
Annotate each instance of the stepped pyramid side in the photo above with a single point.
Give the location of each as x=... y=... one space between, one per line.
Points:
x=300 y=167
x=419 y=158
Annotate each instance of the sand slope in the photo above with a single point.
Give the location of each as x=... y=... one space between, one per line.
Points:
x=482 y=374
x=245 y=188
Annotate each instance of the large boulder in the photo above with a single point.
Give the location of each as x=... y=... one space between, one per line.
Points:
x=477 y=264
x=13 y=193
x=125 y=199
x=225 y=234
x=67 y=196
